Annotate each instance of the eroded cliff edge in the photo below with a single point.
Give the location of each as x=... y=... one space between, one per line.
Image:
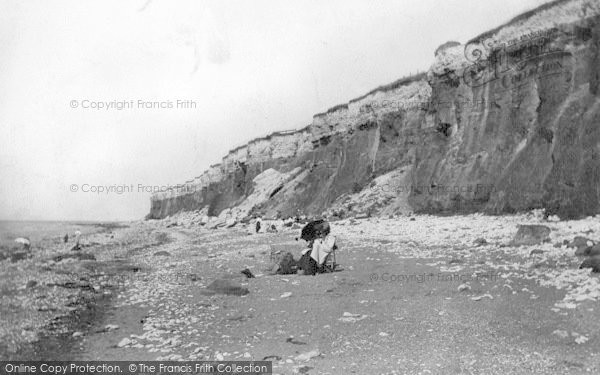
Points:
x=509 y=121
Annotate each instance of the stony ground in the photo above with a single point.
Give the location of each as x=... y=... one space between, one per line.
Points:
x=416 y=295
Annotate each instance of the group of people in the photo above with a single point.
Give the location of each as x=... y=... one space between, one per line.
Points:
x=26 y=242
x=318 y=257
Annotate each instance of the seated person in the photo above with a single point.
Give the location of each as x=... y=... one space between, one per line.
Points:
x=314 y=259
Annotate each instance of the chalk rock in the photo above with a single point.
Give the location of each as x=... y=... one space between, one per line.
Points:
x=462 y=287
x=307 y=356
x=124 y=342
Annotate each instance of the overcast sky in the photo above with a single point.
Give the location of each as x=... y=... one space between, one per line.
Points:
x=250 y=67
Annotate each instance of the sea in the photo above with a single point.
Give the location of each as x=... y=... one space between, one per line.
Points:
x=37 y=231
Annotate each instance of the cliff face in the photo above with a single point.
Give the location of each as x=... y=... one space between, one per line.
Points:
x=508 y=122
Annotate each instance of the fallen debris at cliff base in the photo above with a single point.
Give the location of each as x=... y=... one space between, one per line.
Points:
x=264 y=186
x=215 y=223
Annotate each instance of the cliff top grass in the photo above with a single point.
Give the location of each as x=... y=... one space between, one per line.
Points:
x=545 y=17
x=383 y=88
x=520 y=18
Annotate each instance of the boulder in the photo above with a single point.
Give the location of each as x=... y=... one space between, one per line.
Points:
x=593 y=250
x=581 y=252
x=591 y=262
x=31 y=284
x=162 y=253
x=480 y=241
x=588 y=251
x=531 y=235
x=580 y=242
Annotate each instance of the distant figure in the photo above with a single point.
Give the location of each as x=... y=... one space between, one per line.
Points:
x=77 y=237
x=24 y=241
x=257 y=226
x=66 y=238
